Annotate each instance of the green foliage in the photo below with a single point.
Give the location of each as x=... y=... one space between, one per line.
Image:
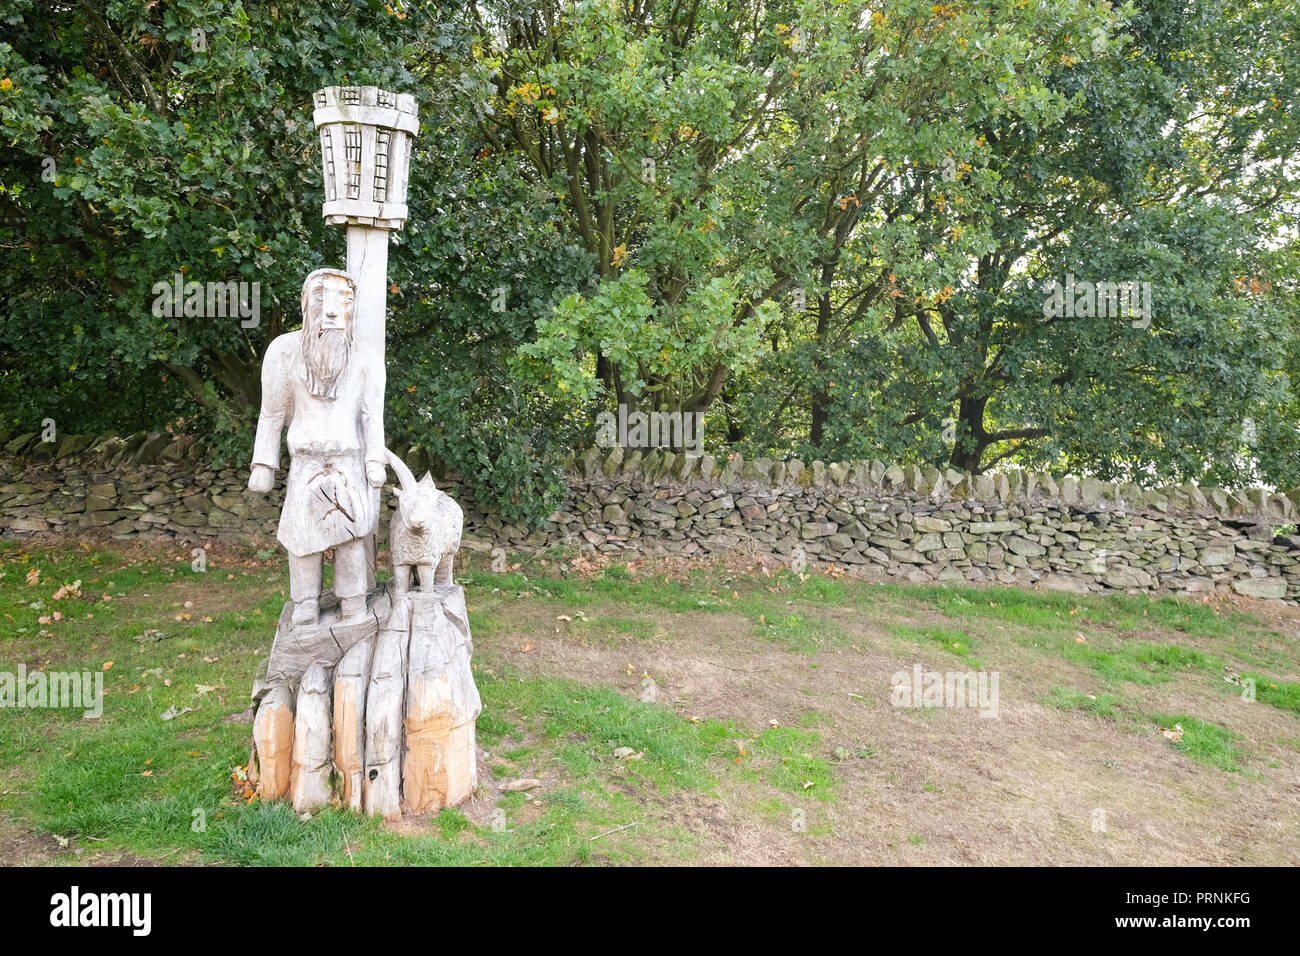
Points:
x=828 y=228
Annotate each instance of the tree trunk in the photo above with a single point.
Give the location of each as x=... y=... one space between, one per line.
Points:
x=968 y=449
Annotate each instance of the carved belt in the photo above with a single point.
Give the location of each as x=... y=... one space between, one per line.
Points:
x=322 y=453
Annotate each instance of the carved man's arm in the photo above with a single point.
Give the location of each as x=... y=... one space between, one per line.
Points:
x=277 y=400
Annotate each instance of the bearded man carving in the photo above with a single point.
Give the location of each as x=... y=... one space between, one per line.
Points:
x=327 y=388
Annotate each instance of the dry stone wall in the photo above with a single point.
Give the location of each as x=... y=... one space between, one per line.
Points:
x=918 y=524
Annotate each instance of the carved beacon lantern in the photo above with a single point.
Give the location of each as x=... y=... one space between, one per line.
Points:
x=365 y=140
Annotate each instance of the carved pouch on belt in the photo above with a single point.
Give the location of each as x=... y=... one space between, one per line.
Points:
x=328 y=494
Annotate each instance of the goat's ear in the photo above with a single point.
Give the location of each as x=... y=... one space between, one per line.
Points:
x=427 y=479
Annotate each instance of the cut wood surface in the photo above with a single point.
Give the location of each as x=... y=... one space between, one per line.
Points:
x=273 y=744
x=384 y=725
x=312 y=756
x=439 y=767
x=350 y=682
x=382 y=786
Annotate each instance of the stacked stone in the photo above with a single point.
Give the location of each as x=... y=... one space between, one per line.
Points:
x=150 y=484
x=917 y=523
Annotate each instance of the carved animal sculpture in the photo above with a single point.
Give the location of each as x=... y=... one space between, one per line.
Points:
x=424 y=533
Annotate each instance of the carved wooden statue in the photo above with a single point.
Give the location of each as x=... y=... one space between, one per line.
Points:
x=328 y=389
x=367 y=700
x=425 y=532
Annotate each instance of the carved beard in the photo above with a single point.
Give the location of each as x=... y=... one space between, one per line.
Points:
x=325 y=356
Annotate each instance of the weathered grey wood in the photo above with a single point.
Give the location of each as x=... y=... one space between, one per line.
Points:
x=439 y=767
x=382 y=786
x=339 y=714
x=312 y=751
x=350 y=682
x=425 y=531
x=297 y=646
x=325 y=385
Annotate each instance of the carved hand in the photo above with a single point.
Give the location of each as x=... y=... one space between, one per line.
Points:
x=261 y=479
x=375 y=474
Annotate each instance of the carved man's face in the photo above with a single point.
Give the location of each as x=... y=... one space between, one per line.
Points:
x=334 y=295
x=326 y=331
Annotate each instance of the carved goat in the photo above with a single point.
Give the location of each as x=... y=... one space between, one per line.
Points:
x=424 y=533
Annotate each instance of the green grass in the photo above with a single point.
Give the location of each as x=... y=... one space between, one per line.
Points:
x=148 y=787
x=791 y=760
x=1278 y=693
x=1203 y=742
x=958 y=643
x=135 y=782
x=1100 y=705
x=1117 y=660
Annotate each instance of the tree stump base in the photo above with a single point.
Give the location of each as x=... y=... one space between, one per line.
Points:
x=375 y=714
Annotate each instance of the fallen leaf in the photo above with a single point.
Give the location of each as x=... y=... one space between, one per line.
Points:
x=211 y=660
x=527 y=647
x=146 y=773
x=171 y=713
x=108 y=665
x=1174 y=735
x=524 y=783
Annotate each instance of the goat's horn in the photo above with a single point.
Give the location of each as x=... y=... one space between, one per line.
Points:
x=403 y=473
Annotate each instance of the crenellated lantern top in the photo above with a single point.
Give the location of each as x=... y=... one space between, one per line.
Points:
x=365 y=139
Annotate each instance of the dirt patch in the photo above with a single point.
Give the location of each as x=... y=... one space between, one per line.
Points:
x=941 y=786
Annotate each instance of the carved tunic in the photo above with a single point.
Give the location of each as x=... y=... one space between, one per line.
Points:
x=327 y=498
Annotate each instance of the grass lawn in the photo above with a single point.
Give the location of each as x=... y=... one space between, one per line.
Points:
x=672 y=713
